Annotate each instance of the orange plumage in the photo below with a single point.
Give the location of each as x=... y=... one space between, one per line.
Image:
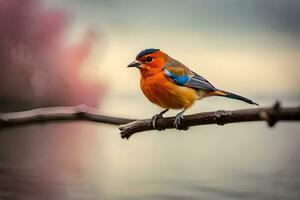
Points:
x=169 y=84
x=166 y=94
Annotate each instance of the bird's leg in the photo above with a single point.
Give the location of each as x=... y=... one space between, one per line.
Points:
x=155 y=117
x=178 y=119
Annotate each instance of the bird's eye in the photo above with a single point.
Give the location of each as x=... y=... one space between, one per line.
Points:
x=149 y=59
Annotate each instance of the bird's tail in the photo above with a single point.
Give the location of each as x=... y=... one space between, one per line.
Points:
x=232 y=96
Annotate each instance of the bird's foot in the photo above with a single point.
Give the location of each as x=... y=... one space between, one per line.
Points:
x=155 y=117
x=177 y=121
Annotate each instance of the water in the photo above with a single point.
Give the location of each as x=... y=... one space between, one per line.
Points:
x=85 y=160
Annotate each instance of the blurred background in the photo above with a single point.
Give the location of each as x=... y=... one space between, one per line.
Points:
x=67 y=52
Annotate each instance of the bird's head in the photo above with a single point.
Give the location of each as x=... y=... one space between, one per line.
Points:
x=150 y=61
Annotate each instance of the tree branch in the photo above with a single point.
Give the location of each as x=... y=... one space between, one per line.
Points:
x=64 y=113
x=130 y=126
x=269 y=114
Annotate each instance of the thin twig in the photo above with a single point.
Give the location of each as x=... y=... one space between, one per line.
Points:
x=269 y=114
x=64 y=113
x=129 y=127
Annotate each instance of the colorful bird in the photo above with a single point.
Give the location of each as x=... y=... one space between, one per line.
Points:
x=171 y=85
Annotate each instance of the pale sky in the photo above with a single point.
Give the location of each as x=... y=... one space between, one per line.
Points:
x=247 y=47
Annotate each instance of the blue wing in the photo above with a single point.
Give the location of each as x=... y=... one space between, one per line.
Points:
x=192 y=80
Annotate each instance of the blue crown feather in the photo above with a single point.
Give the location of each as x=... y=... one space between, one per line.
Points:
x=145 y=52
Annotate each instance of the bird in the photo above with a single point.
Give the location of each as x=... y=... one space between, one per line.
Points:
x=170 y=84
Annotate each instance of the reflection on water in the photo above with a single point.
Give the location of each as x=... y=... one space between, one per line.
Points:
x=90 y=161
x=47 y=162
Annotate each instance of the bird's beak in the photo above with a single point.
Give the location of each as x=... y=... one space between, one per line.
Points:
x=134 y=64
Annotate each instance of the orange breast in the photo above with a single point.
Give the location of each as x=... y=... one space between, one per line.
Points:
x=164 y=93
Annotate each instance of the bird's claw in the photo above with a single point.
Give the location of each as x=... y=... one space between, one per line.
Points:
x=154 y=119
x=153 y=122
x=177 y=121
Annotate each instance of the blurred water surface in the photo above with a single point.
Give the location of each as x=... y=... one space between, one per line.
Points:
x=85 y=160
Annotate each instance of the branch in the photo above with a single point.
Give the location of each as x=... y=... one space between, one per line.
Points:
x=130 y=126
x=269 y=114
x=49 y=114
